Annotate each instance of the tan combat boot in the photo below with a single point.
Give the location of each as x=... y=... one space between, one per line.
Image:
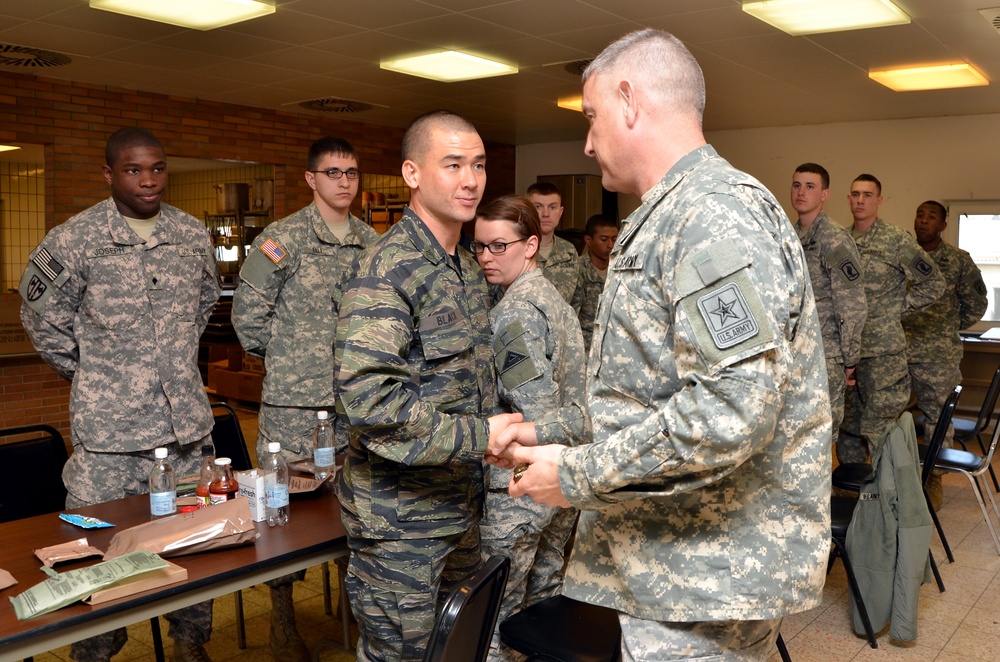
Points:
x=286 y=642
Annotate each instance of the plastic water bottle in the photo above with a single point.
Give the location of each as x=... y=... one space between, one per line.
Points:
x=275 y=485
x=162 y=486
x=323 y=447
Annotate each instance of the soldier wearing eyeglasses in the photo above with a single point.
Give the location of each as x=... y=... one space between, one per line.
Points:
x=285 y=310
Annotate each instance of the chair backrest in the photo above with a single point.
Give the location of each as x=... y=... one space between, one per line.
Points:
x=989 y=404
x=940 y=433
x=31 y=472
x=464 y=628
x=227 y=435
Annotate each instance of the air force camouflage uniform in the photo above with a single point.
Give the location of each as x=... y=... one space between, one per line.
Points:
x=415 y=384
x=538 y=355
x=120 y=318
x=890 y=260
x=560 y=268
x=705 y=495
x=933 y=346
x=285 y=309
x=837 y=282
x=588 y=293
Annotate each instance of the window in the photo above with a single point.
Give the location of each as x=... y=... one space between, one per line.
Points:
x=978 y=230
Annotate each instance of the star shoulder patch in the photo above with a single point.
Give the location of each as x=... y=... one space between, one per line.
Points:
x=727 y=316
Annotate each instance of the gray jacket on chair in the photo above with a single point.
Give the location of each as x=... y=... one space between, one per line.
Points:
x=890 y=534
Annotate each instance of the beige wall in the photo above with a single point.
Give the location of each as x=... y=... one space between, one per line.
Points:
x=947 y=158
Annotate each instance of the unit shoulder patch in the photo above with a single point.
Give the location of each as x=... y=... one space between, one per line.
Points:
x=921 y=266
x=513 y=358
x=727 y=316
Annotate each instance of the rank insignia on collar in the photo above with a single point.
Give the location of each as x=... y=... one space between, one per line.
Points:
x=273 y=251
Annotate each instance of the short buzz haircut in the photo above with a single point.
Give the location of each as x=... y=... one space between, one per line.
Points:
x=416 y=139
x=599 y=221
x=516 y=210
x=543 y=188
x=330 y=145
x=940 y=207
x=865 y=177
x=662 y=62
x=127 y=138
x=816 y=169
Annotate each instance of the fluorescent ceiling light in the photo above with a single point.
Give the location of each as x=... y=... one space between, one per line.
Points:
x=448 y=66
x=798 y=17
x=571 y=103
x=929 y=78
x=194 y=14
x=8 y=148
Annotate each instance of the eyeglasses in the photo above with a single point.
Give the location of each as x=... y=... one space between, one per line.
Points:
x=497 y=247
x=337 y=173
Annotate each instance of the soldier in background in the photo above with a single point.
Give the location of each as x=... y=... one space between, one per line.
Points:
x=834 y=269
x=899 y=279
x=704 y=498
x=556 y=256
x=599 y=236
x=285 y=310
x=933 y=346
x=414 y=381
x=537 y=350
x=115 y=300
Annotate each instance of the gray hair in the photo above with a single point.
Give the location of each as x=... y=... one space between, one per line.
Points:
x=657 y=59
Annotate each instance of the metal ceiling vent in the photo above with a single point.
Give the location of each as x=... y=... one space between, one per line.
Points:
x=22 y=56
x=335 y=105
x=992 y=17
x=576 y=68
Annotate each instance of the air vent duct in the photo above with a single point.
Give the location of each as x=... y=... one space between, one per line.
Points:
x=576 y=68
x=335 y=105
x=992 y=17
x=22 y=56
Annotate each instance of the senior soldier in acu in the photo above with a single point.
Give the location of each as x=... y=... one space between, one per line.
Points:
x=933 y=346
x=900 y=279
x=285 y=309
x=115 y=300
x=705 y=495
x=415 y=385
x=835 y=273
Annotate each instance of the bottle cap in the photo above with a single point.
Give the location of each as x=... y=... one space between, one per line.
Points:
x=273 y=447
x=222 y=461
x=322 y=415
x=207 y=449
x=160 y=453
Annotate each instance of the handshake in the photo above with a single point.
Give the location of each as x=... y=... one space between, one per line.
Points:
x=514 y=445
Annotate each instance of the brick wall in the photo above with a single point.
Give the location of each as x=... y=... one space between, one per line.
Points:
x=30 y=392
x=73 y=122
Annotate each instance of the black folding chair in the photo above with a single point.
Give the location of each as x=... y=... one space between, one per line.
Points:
x=967 y=429
x=464 y=628
x=31 y=472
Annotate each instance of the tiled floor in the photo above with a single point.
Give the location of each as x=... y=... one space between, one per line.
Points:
x=960 y=625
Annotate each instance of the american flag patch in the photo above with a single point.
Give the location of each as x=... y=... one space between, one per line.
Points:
x=273 y=251
x=47 y=264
